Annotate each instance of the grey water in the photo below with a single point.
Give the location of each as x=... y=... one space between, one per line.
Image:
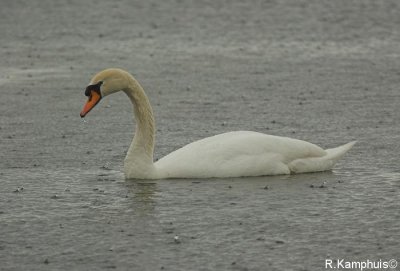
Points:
x=325 y=72
x=81 y=219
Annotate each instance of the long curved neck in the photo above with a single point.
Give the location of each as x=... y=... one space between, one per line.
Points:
x=142 y=146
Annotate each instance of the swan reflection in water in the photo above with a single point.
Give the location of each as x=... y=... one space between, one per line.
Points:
x=142 y=195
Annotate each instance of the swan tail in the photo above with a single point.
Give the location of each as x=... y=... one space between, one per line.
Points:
x=326 y=162
x=336 y=153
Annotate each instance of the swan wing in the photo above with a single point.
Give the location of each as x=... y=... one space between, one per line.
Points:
x=236 y=154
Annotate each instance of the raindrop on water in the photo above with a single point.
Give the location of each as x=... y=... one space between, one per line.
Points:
x=106 y=166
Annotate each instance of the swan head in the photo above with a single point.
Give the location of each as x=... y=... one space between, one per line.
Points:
x=102 y=84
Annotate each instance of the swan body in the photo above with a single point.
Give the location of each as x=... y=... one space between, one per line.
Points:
x=232 y=154
x=245 y=153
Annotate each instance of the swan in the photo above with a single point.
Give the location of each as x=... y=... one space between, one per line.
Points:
x=232 y=154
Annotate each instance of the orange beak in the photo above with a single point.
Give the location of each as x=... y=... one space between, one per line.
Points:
x=94 y=98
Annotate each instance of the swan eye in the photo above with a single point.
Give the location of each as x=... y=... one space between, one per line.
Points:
x=95 y=87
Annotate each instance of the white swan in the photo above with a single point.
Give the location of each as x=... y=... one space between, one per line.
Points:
x=233 y=154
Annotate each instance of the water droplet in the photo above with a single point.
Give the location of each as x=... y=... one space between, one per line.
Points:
x=106 y=166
